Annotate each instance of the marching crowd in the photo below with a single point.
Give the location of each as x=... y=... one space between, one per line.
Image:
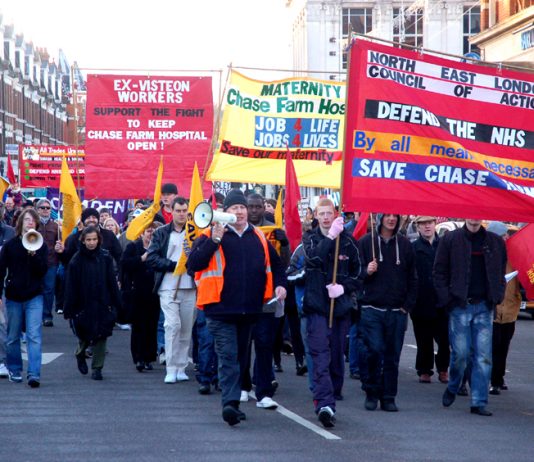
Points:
x=332 y=300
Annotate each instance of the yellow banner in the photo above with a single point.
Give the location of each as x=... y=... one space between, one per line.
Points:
x=72 y=206
x=262 y=119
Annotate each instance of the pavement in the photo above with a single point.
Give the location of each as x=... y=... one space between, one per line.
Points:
x=132 y=416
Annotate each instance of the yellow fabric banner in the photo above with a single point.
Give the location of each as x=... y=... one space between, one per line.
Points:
x=72 y=206
x=191 y=230
x=261 y=119
x=142 y=221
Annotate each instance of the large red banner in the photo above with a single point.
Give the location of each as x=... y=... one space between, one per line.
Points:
x=134 y=120
x=40 y=165
x=520 y=249
x=431 y=136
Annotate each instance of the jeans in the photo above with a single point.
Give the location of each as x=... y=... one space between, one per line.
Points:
x=231 y=344
x=354 y=349
x=207 y=359
x=32 y=312
x=161 y=332
x=383 y=337
x=470 y=333
x=49 y=286
x=3 y=331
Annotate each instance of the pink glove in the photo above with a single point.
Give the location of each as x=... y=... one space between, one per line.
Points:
x=335 y=290
x=336 y=228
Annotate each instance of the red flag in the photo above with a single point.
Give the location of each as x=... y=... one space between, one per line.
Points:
x=293 y=223
x=361 y=227
x=520 y=250
x=213 y=200
x=10 y=172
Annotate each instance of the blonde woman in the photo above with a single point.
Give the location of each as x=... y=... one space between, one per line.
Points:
x=111 y=225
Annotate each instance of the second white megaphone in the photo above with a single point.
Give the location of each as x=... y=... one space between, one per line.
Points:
x=204 y=215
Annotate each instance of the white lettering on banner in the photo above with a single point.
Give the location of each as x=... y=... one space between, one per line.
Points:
x=452 y=175
x=382 y=169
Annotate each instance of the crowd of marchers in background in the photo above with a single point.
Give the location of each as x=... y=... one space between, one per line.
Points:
x=247 y=297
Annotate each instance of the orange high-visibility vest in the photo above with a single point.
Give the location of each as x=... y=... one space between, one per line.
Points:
x=210 y=281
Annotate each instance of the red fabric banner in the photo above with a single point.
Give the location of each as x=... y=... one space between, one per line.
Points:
x=134 y=120
x=361 y=227
x=10 y=172
x=291 y=201
x=430 y=136
x=40 y=165
x=520 y=248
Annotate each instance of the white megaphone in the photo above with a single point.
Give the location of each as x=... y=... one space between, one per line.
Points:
x=32 y=240
x=204 y=215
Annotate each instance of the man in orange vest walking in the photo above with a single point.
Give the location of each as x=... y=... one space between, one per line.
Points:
x=237 y=271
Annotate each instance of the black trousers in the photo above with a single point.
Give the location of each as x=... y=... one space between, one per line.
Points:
x=427 y=330
x=145 y=315
x=502 y=335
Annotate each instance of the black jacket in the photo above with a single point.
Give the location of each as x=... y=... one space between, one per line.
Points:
x=6 y=233
x=425 y=254
x=244 y=273
x=394 y=284
x=452 y=268
x=91 y=294
x=320 y=251
x=25 y=272
x=109 y=243
x=157 y=255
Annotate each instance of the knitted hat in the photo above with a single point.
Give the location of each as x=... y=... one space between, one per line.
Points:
x=497 y=227
x=234 y=197
x=169 y=188
x=88 y=212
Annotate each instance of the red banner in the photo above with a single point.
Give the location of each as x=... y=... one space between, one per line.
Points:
x=430 y=136
x=40 y=166
x=520 y=248
x=133 y=120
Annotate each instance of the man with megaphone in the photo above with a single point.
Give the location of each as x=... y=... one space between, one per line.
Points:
x=24 y=260
x=237 y=270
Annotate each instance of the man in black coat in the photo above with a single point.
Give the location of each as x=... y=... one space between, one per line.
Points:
x=469 y=279
x=429 y=322
x=325 y=343
x=389 y=292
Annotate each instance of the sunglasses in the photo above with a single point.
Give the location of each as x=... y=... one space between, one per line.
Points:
x=44 y=208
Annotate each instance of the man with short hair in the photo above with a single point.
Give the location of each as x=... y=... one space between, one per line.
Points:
x=10 y=211
x=177 y=293
x=49 y=230
x=105 y=213
x=169 y=191
x=237 y=271
x=389 y=293
x=469 y=278
x=326 y=343
x=430 y=323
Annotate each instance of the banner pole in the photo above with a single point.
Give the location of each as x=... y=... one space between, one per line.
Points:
x=336 y=252
x=75 y=104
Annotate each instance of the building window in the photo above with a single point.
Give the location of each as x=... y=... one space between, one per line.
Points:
x=359 y=20
x=471 y=27
x=408 y=26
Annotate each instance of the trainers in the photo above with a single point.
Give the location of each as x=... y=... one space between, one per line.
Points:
x=244 y=396
x=4 y=373
x=48 y=323
x=448 y=397
x=425 y=378
x=204 y=389
x=355 y=375
x=170 y=377
x=443 y=377
x=181 y=376
x=124 y=326
x=97 y=374
x=326 y=416
x=15 y=377
x=33 y=382
x=267 y=403
x=161 y=358
x=59 y=311
x=301 y=369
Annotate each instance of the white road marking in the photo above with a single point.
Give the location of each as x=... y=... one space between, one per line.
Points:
x=302 y=421
x=47 y=358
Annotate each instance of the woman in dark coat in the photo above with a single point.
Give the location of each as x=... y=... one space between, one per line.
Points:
x=137 y=287
x=91 y=299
